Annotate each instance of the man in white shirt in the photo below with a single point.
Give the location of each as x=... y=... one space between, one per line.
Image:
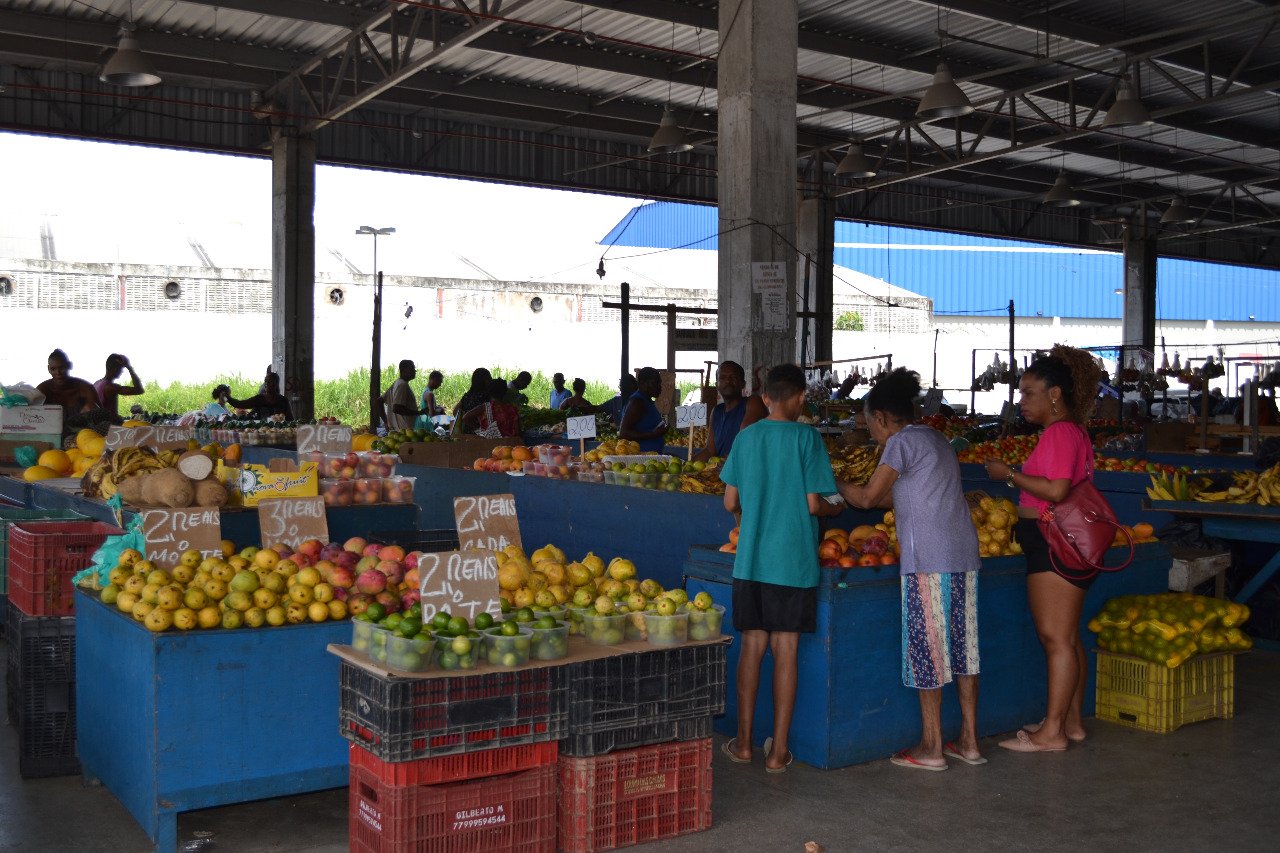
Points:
x=399 y=408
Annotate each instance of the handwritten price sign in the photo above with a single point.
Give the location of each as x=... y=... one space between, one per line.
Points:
x=169 y=533
x=155 y=437
x=581 y=427
x=691 y=416
x=292 y=521
x=464 y=583
x=325 y=438
x=486 y=521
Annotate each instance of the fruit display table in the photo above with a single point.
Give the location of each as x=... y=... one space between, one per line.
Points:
x=852 y=706
x=181 y=721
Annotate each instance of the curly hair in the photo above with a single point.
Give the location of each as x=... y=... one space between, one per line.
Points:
x=1076 y=373
x=895 y=394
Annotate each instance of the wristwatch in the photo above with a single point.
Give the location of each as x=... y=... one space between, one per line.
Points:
x=1008 y=481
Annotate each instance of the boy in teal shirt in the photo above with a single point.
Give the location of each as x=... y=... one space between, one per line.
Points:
x=776 y=480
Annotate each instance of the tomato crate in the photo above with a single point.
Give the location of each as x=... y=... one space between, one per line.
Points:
x=514 y=812
x=1149 y=696
x=634 y=796
x=402 y=719
x=638 y=699
x=460 y=767
x=41 y=648
x=43 y=557
x=10 y=515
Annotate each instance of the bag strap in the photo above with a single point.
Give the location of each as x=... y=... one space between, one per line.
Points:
x=1095 y=570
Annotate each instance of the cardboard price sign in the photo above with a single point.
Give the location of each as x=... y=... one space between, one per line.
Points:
x=170 y=532
x=691 y=416
x=155 y=437
x=486 y=521
x=581 y=427
x=325 y=438
x=292 y=521
x=464 y=583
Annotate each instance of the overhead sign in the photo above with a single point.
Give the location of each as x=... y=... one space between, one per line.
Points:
x=465 y=583
x=168 y=533
x=486 y=521
x=324 y=438
x=292 y=521
x=581 y=427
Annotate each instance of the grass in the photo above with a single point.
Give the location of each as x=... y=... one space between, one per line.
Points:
x=348 y=398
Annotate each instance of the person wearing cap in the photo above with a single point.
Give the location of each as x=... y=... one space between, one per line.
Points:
x=641 y=420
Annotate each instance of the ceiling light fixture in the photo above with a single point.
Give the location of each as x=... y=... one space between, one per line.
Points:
x=669 y=138
x=855 y=164
x=1061 y=194
x=128 y=65
x=1177 y=213
x=943 y=98
x=1127 y=111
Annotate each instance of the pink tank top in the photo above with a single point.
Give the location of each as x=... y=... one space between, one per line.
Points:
x=1064 y=452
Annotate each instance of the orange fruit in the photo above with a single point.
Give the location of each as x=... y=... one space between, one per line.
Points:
x=56 y=460
x=38 y=472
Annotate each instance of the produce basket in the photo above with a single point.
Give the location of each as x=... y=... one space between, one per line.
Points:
x=1149 y=696
x=43 y=557
x=9 y=516
x=626 y=701
x=399 y=719
x=634 y=796
x=512 y=812
x=455 y=768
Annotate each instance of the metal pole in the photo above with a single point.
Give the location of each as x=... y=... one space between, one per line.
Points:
x=1013 y=373
x=804 y=329
x=973 y=382
x=375 y=385
x=671 y=336
x=626 y=328
x=936 y=332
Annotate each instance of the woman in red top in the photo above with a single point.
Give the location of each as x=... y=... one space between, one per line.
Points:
x=1058 y=393
x=494 y=411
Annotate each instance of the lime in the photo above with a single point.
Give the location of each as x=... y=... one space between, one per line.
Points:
x=546 y=622
x=483 y=621
x=376 y=612
x=510 y=629
x=393 y=619
x=461 y=645
x=440 y=621
x=448 y=660
x=510 y=659
x=410 y=626
x=457 y=625
x=524 y=614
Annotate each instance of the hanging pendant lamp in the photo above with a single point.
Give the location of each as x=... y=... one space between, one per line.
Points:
x=1127 y=111
x=855 y=164
x=1177 y=213
x=1061 y=194
x=128 y=65
x=669 y=137
x=943 y=98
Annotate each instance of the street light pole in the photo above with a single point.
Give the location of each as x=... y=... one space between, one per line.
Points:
x=375 y=371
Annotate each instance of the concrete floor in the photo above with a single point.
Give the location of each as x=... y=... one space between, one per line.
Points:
x=1210 y=786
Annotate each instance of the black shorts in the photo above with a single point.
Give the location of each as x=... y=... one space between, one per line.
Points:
x=761 y=606
x=1036 y=549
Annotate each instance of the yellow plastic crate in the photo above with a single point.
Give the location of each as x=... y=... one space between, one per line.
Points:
x=1149 y=696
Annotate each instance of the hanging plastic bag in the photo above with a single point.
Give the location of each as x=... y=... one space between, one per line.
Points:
x=107 y=557
x=20 y=394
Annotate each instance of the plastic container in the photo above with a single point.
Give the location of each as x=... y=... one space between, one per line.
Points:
x=375 y=464
x=368 y=491
x=634 y=628
x=550 y=643
x=533 y=468
x=316 y=456
x=574 y=616
x=411 y=655
x=402 y=719
x=603 y=630
x=456 y=768
x=10 y=515
x=640 y=458
x=1149 y=696
x=340 y=466
x=398 y=490
x=458 y=653
x=591 y=472
x=634 y=796
x=512 y=812
x=616 y=478
x=667 y=630
x=508 y=651
x=43 y=557
x=362 y=635
x=706 y=624
x=554 y=454
x=338 y=492
x=663 y=694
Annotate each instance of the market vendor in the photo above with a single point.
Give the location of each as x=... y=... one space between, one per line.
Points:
x=615 y=407
x=221 y=395
x=109 y=391
x=474 y=396
x=398 y=409
x=641 y=420
x=578 y=403
x=78 y=399
x=559 y=393
x=515 y=389
x=430 y=407
x=268 y=402
x=732 y=413
x=492 y=412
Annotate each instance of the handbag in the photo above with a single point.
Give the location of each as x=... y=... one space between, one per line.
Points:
x=1079 y=530
x=492 y=430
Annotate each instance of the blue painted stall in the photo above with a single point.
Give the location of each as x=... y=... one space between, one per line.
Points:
x=174 y=722
x=852 y=706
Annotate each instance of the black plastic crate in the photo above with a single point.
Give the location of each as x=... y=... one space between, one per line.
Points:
x=646 y=734
x=632 y=700
x=402 y=719
x=41 y=648
x=10 y=696
x=417 y=540
x=47 y=742
x=4 y=608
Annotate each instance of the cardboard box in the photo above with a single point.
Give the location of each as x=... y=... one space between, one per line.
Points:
x=9 y=446
x=457 y=453
x=250 y=484
x=24 y=420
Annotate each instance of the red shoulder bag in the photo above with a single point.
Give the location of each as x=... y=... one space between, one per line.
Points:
x=1079 y=530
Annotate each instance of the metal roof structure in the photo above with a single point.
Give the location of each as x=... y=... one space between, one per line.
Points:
x=964 y=274
x=561 y=93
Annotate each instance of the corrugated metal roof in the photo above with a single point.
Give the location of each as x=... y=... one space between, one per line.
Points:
x=964 y=274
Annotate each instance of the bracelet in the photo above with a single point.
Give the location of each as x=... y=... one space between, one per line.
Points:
x=1008 y=481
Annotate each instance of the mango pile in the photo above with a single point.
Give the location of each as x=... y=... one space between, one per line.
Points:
x=1170 y=628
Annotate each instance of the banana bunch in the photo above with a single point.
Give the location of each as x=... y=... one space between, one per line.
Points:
x=104 y=478
x=704 y=482
x=1172 y=487
x=854 y=464
x=1248 y=487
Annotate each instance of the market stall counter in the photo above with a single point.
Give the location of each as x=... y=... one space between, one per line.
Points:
x=851 y=705
x=174 y=722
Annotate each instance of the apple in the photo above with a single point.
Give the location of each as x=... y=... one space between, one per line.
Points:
x=371 y=549
x=347 y=559
x=393 y=569
x=409 y=597
x=411 y=559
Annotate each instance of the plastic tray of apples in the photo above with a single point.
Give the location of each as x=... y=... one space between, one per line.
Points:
x=554 y=454
x=398 y=490
x=340 y=466
x=374 y=463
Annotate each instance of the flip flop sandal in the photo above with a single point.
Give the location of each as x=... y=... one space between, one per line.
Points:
x=768 y=748
x=950 y=751
x=1022 y=743
x=727 y=749
x=1032 y=728
x=904 y=759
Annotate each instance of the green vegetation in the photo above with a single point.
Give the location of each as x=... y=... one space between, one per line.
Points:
x=849 y=321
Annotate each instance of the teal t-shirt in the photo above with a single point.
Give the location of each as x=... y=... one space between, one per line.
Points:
x=775 y=465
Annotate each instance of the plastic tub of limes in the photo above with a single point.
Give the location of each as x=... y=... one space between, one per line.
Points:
x=508 y=644
x=458 y=645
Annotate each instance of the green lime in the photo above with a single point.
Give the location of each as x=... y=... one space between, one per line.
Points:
x=457 y=625
x=510 y=629
x=440 y=621
x=448 y=660
x=410 y=626
x=546 y=622
x=376 y=612
x=524 y=614
x=483 y=621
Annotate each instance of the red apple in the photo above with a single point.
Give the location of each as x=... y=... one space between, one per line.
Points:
x=411 y=559
x=347 y=559
x=409 y=597
x=372 y=549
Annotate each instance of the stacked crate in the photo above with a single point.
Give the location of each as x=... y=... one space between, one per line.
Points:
x=11 y=515
x=40 y=557
x=636 y=764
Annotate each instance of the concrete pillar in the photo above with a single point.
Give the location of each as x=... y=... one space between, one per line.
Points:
x=816 y=237
x=293 y=263
x=1138 y=321
x=756 y=162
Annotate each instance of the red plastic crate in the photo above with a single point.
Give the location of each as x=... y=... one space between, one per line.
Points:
x=516 y=812
x=44 y=556
x=456 y=768
x=634 y=796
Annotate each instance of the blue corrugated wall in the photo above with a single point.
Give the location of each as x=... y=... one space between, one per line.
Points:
x=963 y=274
